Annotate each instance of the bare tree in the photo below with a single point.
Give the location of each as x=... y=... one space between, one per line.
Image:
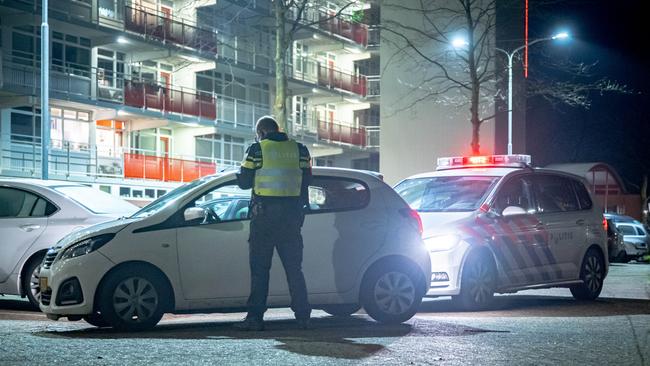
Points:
x=460 y=76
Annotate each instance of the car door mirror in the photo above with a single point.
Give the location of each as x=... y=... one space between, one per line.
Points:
x=513 y=211
x=194 y=213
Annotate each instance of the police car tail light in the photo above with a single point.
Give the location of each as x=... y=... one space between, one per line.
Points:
x=605 y=224
x=517 y=160
x=412 y=214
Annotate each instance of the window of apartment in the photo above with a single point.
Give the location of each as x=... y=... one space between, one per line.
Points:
x=71 y=54
x=259 y=93
x=225 y=149
x=104 y=188
x=111 y=9
x=153 y=142
x=300 y=111
x=70 y=128
x=110 y=68
x=300 y=54
x=25 y=45
x=234 y=87
x=109 y=137
x=25 y=125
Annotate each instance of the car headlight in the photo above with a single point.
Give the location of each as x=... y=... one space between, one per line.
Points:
x=441 y=242
x=86 y=246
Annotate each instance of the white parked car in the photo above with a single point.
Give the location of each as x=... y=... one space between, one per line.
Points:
x=495 y=224
x=362 y=247
x=34 y=215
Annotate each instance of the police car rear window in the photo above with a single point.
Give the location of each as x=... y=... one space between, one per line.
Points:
x=446 y=194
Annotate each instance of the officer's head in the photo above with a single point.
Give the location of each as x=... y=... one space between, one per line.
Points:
x=264 y=126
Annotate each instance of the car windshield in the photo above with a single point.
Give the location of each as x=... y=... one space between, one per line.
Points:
x=172 y=195
x=96 y=201
x=446 y=194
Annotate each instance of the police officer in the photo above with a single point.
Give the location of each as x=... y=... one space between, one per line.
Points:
x=279 y=171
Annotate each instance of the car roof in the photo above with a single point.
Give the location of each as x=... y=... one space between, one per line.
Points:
x=489 y=171
x=37 y=182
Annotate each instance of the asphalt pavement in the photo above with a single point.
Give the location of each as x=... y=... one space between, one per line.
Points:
x=537 y=327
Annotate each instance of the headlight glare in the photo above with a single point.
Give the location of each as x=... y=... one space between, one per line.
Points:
x=86 y=246
x=441 y=242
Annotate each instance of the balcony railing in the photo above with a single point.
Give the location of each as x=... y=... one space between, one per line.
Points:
x=87 y=84
x=339 y=133
x=21 y=155
x=163 y=28
x=356 y=32
x=333 y=78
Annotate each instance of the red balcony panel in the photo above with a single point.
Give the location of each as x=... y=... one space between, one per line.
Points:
x=340 y=133
x=356 y=32
x=133 y=94
x=341 y=80
x=148 y=95
x=165 y=169
x=165 y=29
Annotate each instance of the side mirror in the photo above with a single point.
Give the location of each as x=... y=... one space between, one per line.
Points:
x=513 y=211
x=194 y=213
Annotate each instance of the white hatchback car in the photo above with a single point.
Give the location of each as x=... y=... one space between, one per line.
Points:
x=495 y=224
x=362 y=247
x=34 y=215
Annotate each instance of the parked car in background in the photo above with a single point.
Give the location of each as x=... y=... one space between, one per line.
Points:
x=34 y=215
x=635 y=236
x=185 y=253
x=615 y=243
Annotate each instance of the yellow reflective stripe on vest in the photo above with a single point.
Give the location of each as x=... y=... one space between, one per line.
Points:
x=280 y=174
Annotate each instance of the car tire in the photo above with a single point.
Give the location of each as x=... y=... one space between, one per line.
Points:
x=29 y=281
x=341 y=310
x=477 y=284
x=391 y=293
x=133 y=298
x=96 y=319
x=592 y=274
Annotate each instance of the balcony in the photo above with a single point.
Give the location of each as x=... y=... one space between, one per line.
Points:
x=353 y=31
x=21 y=156
x=170 y=29
x=168 y=99
x=87 y=84
x=336 y=79
x=364 y=137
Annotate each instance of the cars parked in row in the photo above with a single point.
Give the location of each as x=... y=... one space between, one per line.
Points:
x=185 y=253
x=495 y=224
x=635 y=236
x=34 y=215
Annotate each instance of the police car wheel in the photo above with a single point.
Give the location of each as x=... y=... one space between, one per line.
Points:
x=391 y=293
x=341 y=310
x=133 y=298
x=30 y=281
x=478 y=283
x=592 y=274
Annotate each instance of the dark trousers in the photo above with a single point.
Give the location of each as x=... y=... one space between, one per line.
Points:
x=276 y=225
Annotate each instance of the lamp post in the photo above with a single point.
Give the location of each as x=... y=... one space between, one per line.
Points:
x=45 y=94
x=510 y=56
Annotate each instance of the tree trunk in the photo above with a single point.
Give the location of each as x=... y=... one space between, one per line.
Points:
x=280 y=107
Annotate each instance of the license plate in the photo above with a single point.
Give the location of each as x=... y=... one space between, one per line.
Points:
x=42 y=283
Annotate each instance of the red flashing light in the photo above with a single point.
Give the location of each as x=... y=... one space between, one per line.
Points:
x=487 y=160
x=485 y=208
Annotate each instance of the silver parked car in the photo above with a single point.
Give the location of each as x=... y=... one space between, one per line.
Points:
x=34 y=215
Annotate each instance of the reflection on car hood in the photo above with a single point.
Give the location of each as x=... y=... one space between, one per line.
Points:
x=113 y=226
x=436 y=223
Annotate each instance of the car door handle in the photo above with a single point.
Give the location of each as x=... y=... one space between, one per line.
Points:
x=29 y=227
x=580 y=222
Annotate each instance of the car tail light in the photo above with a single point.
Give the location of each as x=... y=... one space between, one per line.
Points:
x=412 y=214
x=605 y=224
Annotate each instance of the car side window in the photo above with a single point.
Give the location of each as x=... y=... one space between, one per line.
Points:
x=555 y=194
x=515 y=192
x=328 y=194
x=16 y=203
x=583 y=195
x=225 y=203
x=626 y=229
x=640 y=231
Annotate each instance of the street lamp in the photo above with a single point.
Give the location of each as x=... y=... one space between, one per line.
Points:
x=510 y=55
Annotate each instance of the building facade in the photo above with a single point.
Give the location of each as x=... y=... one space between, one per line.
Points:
x=145 y=95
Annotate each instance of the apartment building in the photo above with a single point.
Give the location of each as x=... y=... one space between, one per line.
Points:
x=145 y=95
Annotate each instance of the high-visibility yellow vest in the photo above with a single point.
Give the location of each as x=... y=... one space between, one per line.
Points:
x=280 y=174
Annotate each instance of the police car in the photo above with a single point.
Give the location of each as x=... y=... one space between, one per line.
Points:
x=493 y=224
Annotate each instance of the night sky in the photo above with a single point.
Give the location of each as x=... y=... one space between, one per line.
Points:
x=615 y=128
